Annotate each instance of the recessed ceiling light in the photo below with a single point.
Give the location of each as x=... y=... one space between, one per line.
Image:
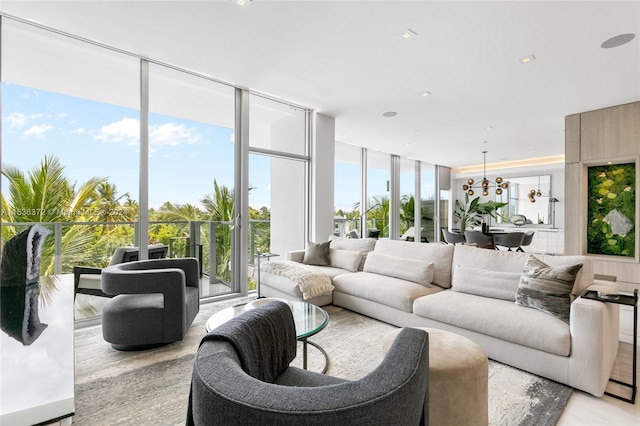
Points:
x=390 y=114
x=408 y=33
x=485 y=141
x=488 y=127
x=425 y=94
x=527 y=59
x=618 y=40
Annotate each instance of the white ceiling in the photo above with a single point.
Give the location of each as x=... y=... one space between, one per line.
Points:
x=347 y=59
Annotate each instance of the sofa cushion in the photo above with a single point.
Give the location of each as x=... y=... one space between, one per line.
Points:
x=497 y=318
x=388 y=291
x=547 y=288
x=345 y=259
x=417 y=271
x=440 y=254
x=484 y=282
x=363 y=245
x=584 y=279
x=317 y=254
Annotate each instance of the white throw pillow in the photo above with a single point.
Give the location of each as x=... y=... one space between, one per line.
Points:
x=345 y=259
x=484 y=282
x=414 y=270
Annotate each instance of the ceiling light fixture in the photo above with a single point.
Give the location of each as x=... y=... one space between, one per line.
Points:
x=527 y=59
x=425 y=94
x=241 y=3
x=390 y=114
x=408 y=33
x=499 y=184
x=618 y=40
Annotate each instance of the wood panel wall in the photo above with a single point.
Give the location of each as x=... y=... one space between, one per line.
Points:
x=595 y=138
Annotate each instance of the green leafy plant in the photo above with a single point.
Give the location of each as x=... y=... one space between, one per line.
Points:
x=471 y=213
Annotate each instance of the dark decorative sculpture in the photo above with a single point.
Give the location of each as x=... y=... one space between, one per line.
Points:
x=19 y=285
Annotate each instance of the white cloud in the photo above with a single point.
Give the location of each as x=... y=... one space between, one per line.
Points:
x=124 y=131
x=172 y=134
x=38 y=131
x=80 y=131
x=167 y=134
x=16 y=120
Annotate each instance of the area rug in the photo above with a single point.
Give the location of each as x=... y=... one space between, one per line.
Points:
x=151 y=387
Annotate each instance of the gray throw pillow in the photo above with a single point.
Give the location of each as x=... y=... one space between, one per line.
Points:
x=317 y=254
x=547 y=288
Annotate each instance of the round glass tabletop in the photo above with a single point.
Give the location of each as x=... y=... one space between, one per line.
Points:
x=309 y=319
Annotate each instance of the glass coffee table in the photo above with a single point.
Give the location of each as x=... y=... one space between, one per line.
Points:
x=309 y=320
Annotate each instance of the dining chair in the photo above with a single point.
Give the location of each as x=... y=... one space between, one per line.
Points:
x=526 y=241
x=453 y=237
x=510 y=240
x=479 y=239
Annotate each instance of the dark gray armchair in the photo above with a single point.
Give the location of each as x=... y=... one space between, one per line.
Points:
x=241 y=376
x=155 y=302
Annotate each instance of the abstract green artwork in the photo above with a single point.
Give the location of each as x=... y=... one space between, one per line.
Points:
x=611 y=226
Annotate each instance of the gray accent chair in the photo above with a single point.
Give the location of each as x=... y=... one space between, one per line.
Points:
x=241 y=376
x=155 y=302
x=86 y=279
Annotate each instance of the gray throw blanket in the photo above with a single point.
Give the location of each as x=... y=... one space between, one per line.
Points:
x=264 y=339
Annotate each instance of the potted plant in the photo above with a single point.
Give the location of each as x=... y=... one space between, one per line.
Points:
x=471 y=213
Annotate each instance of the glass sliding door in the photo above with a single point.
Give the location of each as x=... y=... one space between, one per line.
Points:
x=278 y=170
x=191 y=172
x=347 y=189
x=70 y=133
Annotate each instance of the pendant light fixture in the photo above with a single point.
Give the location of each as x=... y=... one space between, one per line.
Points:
x=533 y=193
x=499 y=183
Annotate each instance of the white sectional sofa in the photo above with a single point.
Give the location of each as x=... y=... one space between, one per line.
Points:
x=472 y=292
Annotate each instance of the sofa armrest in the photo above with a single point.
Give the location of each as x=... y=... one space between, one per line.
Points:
x=295 y=255
x=594 y=328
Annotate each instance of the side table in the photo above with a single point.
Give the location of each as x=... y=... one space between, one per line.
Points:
x=263 y=256
x=628 y=300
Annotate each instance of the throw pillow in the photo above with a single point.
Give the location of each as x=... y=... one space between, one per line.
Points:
x=317 y=254
x=547 y=288
x=485 y=282
x=414 y=270
x=345 y=259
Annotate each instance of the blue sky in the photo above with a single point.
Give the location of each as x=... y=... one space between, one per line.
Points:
x=94 y=139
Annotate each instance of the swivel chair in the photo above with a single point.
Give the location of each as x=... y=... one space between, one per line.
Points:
x=526 y=241
x=241 y=376
x=155 y=302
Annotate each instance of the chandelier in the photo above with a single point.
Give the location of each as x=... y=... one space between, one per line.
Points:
x=499 y=184
x=533 y=193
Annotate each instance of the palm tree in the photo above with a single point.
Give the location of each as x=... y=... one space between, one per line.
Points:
x=219 y=207
x=45 y=195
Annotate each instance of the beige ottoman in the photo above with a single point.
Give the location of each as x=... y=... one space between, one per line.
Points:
x=458 y=379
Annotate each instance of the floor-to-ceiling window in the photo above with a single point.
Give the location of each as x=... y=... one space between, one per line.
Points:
x=428 y=211
x=347 y=189
x=191 y=172
x=70 y=148
x=278 y=170
x=407 y=219
x=74 y=108
x=376 y=212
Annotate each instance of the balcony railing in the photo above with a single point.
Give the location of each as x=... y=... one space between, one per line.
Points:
x=209 y=241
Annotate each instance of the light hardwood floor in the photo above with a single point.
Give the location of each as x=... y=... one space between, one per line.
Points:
x=585 y=410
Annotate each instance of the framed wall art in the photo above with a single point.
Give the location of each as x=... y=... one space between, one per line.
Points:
x=611 y=204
